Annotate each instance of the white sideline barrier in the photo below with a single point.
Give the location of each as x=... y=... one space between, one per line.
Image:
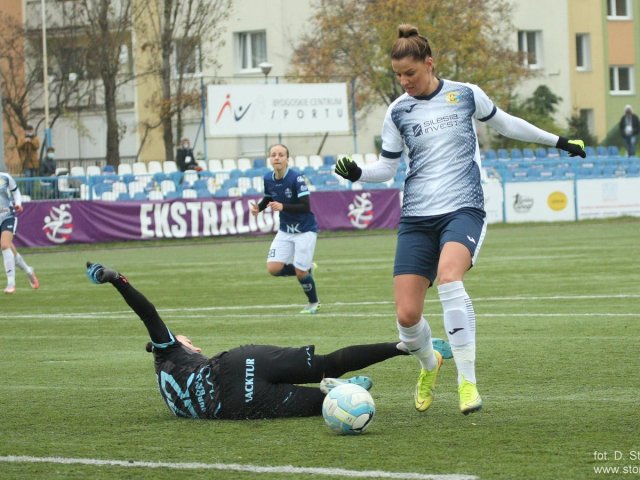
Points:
x=608 y=197
x=539 y=201
x=493 y=200
x=561 y=200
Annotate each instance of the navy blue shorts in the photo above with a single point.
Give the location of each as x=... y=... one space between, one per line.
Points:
x=420 y=240
x=9 y=225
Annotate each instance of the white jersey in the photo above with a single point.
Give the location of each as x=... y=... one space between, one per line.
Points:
x=8 y=187
x=437 y=133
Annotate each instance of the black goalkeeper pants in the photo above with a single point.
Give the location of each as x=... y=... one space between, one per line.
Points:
x=263 y=381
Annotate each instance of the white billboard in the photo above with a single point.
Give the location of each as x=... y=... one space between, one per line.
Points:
x=539 y=201
x=272 y=109
x=608 y=197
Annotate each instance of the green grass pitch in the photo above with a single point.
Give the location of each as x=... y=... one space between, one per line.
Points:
x=558 y=335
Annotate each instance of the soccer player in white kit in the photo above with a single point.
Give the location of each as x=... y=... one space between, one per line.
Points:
x=442 y=224
x=10 y=203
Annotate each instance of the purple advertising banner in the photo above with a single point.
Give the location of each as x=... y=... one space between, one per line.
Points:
x=61 y=222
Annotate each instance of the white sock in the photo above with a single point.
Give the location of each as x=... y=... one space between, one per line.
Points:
x=460 y=325
x=417 y=339
x=9 y=266
x=22 y=264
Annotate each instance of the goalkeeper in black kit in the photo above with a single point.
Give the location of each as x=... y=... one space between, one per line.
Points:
x=248 y=382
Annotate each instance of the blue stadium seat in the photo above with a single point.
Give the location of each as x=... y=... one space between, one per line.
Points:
x=516 y=153
x=528 y=154
x=259 y=163
x=123 y=197
x=553 y=152
x=541 y=152
x=490 y=154
x=108 y=170
x=590 y=151
x=251 y=191
x=159 y=177
x=503 y=154
x=139 y=196
x=203 y=193
x=613 y=151
x=199 y=184
x=127 y=177
x=329 y=160
x=100 y=188
x=173 y=195
x=602 y=151
x=221 y=192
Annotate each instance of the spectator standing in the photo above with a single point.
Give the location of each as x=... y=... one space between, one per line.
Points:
x=28 y=151
x=629 y=129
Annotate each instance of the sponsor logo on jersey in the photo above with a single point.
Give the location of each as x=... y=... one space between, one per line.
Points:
x=288 y=193
x=361 y=211
x=58 y=225
x=452 y=98
x=249 y=373
x=417 y=130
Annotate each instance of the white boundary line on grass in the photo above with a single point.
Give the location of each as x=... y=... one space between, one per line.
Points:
x=236 y=467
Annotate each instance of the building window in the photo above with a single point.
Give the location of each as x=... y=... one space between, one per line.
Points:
x=621 y=80
x=530 y=46
x=583 y=52
x=251 y=50
x=618 y=9
x=187 y=58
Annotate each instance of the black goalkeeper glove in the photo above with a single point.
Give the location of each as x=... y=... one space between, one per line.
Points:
x=574 y=147
x=347 y=168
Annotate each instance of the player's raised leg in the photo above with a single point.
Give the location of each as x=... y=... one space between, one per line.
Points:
x=160 y=335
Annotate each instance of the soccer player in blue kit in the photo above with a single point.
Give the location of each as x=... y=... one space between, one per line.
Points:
x=291 y=252
x=442 y=225
x=248 y=382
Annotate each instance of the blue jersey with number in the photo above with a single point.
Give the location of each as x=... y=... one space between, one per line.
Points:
x=287 y=190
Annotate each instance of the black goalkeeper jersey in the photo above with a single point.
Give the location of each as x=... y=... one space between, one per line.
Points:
x=188 y=381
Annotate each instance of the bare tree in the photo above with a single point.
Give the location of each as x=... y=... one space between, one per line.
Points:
x=179 y=29
x=21 y=77
x=108 y=26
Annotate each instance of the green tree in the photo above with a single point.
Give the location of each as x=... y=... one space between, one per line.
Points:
x=353 y=39
x=579 y=128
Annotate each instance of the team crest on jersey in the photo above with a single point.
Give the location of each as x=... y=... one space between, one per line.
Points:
x=287 y=193
x=417 y=130
x=453 y=97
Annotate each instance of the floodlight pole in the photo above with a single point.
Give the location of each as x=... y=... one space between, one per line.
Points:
x=45 y=80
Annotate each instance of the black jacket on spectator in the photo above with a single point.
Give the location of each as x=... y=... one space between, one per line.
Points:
x=185 y=159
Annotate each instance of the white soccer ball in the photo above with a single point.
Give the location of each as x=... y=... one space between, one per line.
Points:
x=348 y=409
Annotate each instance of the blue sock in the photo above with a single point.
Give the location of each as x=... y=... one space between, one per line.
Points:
x=309 y=287
x=287 y=271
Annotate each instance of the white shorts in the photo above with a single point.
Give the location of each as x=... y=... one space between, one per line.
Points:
x=296 y=248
